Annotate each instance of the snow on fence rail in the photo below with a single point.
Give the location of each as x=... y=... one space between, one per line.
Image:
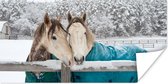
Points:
x=55 y=65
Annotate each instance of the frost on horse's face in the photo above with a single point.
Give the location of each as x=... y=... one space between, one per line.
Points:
x=80 y=38
x=54 y=39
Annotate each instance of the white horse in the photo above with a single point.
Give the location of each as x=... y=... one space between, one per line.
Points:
x=80 y=38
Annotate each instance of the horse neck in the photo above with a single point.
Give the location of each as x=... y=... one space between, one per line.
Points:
x=38 y=52
x=90 y=38
x=37 y=49
x=36 y=43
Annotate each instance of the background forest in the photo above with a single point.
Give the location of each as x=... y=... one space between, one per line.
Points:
x=106 y=18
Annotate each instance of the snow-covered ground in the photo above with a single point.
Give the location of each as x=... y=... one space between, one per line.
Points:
x=18 y=50
x=12 y=50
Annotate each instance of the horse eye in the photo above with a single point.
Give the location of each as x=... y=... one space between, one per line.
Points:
x=69 y=34
x=85 y=33
x=54 y=38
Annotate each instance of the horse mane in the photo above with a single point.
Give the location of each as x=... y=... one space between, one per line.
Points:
x=39 y=32
x=89 y=34
x=37 y=38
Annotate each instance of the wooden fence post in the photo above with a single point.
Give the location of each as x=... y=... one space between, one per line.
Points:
x=65 y=73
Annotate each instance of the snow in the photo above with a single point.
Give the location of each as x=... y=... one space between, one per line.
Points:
x=103 y=65
x=12 y=50
x=9 y=62
x=49 y=65
x=53 y=64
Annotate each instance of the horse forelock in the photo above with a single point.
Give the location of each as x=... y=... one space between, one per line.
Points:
x=52 y=29
x=55 y=24
x=39 y=33
x=76 y=20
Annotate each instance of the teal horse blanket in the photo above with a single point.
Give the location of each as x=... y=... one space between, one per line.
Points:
x=99 y=52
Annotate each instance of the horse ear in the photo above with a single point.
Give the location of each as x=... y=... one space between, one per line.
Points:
x=83 y=16
x=47 y=21
x=69 y=17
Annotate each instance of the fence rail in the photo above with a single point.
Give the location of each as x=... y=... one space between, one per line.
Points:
x=150 y=44
x=55 y=65
x=134 y=41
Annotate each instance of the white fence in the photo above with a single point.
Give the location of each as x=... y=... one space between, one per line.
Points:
x=150 y=44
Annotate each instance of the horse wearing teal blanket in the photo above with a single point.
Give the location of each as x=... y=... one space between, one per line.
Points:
x=82 y=42
x=84 y=48
x=50 y=37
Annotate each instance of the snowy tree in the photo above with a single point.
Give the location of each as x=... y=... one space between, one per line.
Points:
x=106 y=18
x=23 y=26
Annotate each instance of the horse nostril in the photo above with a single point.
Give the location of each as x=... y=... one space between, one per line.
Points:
x=69 y=63
x=83 y=58
x=79 y=61
x=75 y=59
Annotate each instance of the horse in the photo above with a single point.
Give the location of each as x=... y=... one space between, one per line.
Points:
x=80 y=37
x=50 y=37
x=82 y=42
